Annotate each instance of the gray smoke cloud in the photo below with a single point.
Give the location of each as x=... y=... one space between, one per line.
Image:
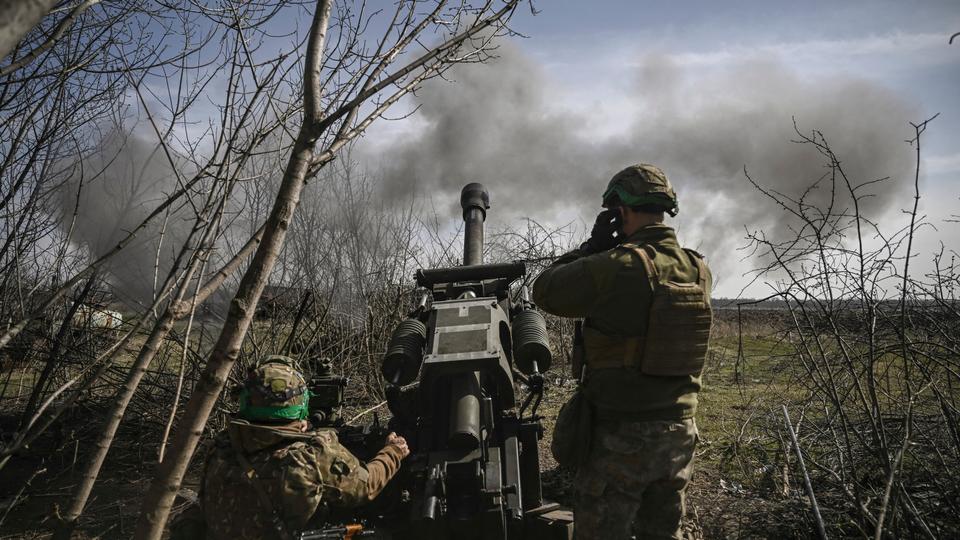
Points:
x=497 y=124
x=108 y=195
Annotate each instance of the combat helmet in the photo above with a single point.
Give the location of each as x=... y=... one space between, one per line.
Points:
x=639 y=185
x=274 y=390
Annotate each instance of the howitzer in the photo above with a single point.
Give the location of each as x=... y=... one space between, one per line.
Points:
x=451 y=368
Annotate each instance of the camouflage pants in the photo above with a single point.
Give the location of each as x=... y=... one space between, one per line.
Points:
x=636 y=475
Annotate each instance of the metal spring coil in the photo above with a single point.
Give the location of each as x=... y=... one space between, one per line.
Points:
x=404 y=355
x=530 y=341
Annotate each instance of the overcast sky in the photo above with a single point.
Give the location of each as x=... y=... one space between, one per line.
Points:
x=903 y=45
x=702 y=88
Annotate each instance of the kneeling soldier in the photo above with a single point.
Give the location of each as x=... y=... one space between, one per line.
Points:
x=269 y=474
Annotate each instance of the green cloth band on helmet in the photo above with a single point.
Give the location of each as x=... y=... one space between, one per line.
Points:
x=663 y=200
x=266 y=412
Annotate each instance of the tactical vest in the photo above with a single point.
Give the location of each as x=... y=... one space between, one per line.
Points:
x=678 y=332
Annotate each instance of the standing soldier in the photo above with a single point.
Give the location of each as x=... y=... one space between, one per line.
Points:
x=646 y=304
x=269 y=475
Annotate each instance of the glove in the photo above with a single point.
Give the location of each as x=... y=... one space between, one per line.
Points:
x=605 y=232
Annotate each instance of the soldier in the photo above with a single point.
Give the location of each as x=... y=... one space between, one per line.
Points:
x=269 y=474
x=647 y=314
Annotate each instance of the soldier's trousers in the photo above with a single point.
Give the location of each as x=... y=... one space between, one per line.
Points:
x=634 y=480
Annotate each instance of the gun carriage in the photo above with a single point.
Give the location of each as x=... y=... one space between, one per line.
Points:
x=451 y=368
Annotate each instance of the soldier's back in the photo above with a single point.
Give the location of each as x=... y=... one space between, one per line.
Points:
x=288 y=468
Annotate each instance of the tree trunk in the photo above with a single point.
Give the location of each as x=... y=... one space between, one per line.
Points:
x=159 y=499
x=161 y=329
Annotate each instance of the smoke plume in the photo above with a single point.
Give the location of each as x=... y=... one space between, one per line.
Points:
x=498 y=125
x=108 y=195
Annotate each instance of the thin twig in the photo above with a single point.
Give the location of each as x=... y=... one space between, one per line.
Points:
x=366 y=412
x=821 y=531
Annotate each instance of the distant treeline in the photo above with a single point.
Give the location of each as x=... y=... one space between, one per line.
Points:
x=839 y=304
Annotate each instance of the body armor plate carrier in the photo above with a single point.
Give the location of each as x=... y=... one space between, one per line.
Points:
x=678 y=332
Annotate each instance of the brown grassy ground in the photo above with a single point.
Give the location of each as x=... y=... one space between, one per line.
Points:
x=732 y=494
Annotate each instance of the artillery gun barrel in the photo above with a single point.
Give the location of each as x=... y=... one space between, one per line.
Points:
x=474 y=200
x=465 y=389
x=473 y=237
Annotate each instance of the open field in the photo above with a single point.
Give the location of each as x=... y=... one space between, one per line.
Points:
x=738 y=489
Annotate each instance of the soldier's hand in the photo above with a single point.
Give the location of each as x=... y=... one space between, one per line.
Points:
x=399 y=442
x=605 y=232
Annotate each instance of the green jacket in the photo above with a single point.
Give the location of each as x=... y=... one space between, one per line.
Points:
x=612 y=292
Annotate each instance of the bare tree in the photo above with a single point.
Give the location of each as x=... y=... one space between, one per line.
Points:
x=60 y=111
x=339 y=81
x=877 y=354
x=19 y=17
x=60 y=103
x=87 y=65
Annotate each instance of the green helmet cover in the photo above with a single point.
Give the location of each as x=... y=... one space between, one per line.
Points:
x=274 y=390
x=642 y=184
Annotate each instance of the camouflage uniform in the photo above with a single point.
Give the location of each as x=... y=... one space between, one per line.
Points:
x=644 y=434
x=264 y=471
x=301 y=472
x=636 y=471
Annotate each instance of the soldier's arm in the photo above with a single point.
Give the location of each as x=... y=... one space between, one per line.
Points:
x=572 y=285
x=381 y=469
x=359 y=484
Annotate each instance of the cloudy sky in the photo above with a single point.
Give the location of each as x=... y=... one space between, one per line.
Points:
x=703 y=89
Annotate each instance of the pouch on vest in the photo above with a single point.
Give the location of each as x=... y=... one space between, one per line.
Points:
x=678 y=332
x=572 y=433
x=578 y=353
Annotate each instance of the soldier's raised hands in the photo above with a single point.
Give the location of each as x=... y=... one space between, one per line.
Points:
x=605 y=232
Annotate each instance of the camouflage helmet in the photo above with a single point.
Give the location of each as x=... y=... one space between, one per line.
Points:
x=641 y=184
x=274 y=390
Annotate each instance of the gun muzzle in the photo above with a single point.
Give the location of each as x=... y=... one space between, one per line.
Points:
x=475 y=201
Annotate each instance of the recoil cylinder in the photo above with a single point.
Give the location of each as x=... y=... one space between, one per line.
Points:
x=401 y=364
x=531 y=347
